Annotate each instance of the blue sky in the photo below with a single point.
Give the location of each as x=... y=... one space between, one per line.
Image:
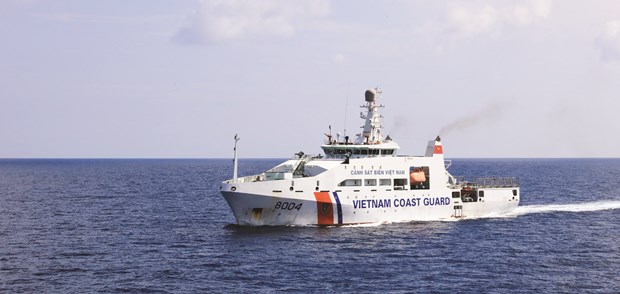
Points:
x=180 y=78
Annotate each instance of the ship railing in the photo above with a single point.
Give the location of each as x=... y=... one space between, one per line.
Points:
x=249 y=179
x=486 y=182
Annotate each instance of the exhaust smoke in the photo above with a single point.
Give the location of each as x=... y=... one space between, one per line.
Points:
x=488 y=114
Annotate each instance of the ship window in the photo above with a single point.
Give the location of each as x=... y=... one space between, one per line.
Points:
x=385 y=182
x=456 y=194
x=313 y=170
x=480 y=193
x=370 y=182
x=419 y=177
x=374 y=151
x=356 y=151
x=400 y=184
x=285 y=168
x=468 y=194
x=350 y=182
x=364 y=151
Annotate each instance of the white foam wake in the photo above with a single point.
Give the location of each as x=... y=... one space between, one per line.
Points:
x=574 y=207
x=523 y=210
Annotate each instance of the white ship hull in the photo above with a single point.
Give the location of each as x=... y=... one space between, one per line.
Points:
x=364 y=182
x=353 y=208
x=256 y=201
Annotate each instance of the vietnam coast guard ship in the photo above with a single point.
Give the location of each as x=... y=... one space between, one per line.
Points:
x=364 y=181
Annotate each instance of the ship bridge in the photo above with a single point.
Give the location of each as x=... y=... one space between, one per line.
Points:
x=356 y=151
x=370 y=142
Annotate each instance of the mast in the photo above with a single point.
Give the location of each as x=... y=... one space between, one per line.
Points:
x=372 y=127
x=235 y=160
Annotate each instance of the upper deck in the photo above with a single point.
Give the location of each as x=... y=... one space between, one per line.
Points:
x=370 y=142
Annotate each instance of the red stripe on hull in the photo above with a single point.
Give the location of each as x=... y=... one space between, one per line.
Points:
x=324 y=208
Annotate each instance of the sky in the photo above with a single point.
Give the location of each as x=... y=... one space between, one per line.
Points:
x=178 y=79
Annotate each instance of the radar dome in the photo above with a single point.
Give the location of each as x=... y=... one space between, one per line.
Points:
x=371 y=94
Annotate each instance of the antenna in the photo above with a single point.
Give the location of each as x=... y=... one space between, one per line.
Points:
x=346 y=108
x=235 y=160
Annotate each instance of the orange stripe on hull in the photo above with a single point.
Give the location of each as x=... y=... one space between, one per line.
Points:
x=324 y=208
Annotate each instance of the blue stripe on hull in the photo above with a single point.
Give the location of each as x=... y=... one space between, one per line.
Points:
x=339 y=207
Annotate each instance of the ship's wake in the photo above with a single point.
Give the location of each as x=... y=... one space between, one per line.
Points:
x=574 y=207
x=524 y=210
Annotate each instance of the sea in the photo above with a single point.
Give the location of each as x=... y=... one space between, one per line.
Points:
x=161 y=226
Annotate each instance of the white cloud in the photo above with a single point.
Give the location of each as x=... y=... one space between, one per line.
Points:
x=338 y=59
x=469 y=18
x=217 y=21
x=470 y=21
x=609 y=41
x=102 y=19
x=541 y=8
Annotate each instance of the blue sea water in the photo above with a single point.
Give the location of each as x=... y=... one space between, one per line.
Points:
x=161 y=226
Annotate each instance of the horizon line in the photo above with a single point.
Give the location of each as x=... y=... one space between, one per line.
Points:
x=267 y=158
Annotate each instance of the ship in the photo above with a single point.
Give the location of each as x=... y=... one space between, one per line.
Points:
x=364 y=181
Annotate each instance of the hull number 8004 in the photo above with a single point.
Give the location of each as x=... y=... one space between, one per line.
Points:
x=288 y=205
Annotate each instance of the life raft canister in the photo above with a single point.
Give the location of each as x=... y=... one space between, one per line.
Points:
x=417 y=176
